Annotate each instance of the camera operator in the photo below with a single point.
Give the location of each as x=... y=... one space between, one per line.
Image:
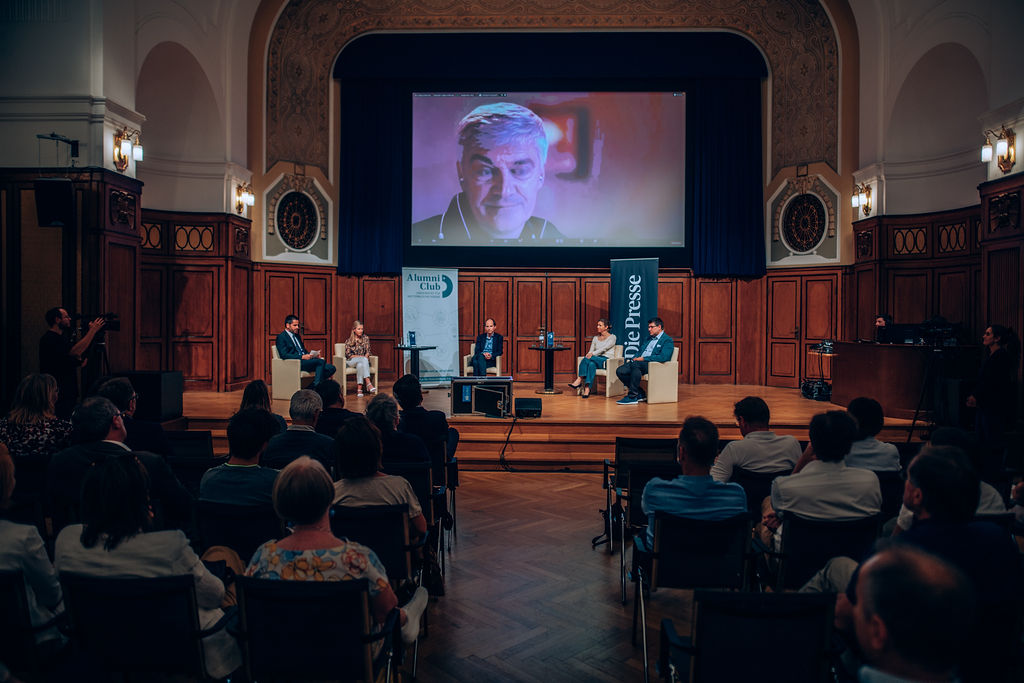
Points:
x=61 y=357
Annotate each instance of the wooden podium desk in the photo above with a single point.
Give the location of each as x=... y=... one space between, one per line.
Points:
x=892 y=374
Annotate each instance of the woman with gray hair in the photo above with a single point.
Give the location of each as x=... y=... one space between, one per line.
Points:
x=303 y=494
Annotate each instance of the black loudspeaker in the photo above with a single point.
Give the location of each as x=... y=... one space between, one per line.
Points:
x=55 y=202
x=159 y=393
x=527 y=407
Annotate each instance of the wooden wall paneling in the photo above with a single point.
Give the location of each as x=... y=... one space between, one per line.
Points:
x=280 y=301
x=346 y=306
x=952 y=295
x=1002 y=271
x=597 y=304
x=750 y=325
x=469 y=327
x=865 y=302
x=910 y=299
x=674 y=310
x=381 y=304
x=239 y=326
x=820 y=320
x=530 y=316
x=152 y=318
x=196 y=299
x=121 y=299
x=315 y=315
x=563 y=316
x=715 y=329
x=783 y=330
x=496 y=302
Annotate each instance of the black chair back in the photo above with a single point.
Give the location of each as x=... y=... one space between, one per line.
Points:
x=785 y=636
x=891 y=484
x=133 y=625
x=637 y=461
x=808 y=544
x=243 y=528
x=305 y=630
x=382 y=528
x=757 y=485
x=692 y=553
x=17 y=635
x=907 y=452
x=420 y=477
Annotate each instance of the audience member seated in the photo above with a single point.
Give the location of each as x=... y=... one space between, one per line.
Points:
x=868 y=452
x=694 y=494
x=241 y=480
x=942 y=492
x=21 y=549
x=143 y=435
x=114 y=540
x=760 y=450
x=32 y=434
x=97 y=422
x=396 y=447
x=300 y=438
x=360 y=480
x=912 y=616
x=302 y=497
x=334 y=413
x=429 y=425
x=990 y=502
x=822 y=487
x=257 y=395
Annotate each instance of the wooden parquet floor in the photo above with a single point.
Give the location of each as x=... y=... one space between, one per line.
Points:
x=527 y=598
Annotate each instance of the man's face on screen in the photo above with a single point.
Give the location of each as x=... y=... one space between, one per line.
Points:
x=501 y=185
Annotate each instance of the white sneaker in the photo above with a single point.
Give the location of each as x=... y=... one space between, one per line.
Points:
x=413 y=615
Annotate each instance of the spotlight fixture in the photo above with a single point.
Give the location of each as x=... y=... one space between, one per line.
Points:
x=127 y=143
x=861 y=198
x=244 y=197
x=1005 y=148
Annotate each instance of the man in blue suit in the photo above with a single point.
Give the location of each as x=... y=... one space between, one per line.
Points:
x=657 y=350
x=289 y=345
x=488 y=348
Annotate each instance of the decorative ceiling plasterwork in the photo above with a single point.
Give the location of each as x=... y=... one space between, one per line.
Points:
x=795 y=35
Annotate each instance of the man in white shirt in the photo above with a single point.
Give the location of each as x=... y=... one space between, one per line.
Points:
x=760 y=450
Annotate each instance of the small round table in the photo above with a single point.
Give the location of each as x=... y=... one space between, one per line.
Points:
x=414 y=356
x=549 y=366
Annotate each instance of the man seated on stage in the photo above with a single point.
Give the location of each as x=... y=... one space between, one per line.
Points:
x=289 y=345
x=694 y=494
x=143 y=435
x=822 y=486
x=489 y=346
x=658 y=349
x=241 y=480
x=301 y=438
x=760 y=450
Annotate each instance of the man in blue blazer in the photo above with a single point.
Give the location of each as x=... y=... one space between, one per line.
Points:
x=657 y=350
x=289 y=345
x=488 y=347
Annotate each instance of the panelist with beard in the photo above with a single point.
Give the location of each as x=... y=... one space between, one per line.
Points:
x=501 y=170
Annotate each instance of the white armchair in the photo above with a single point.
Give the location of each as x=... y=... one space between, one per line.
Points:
x=662 y=379
x=612 y=384
x=344 y=370
x=467 y=369
x=286 y=376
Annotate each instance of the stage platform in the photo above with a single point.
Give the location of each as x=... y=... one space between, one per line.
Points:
x=572 y=434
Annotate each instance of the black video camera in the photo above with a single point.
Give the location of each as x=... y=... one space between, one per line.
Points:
x=112 y=320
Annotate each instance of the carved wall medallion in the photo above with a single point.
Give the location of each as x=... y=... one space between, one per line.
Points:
x=802 y=217
x=122 y=208
x=1004 y=212
x=865 y=245
x=241 y=240
x=297 y=217
x=796 y=37
x=804 y=223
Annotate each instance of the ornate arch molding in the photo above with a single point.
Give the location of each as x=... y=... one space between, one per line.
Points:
x=796 y=37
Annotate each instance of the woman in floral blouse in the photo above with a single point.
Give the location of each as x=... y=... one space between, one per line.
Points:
x=33 y=433
x=357 y=355
x=303 y=493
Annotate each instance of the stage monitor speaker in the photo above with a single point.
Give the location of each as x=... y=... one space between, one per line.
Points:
x=159 y=393
x=55 y=202
x=463 y=389
x=527 y=407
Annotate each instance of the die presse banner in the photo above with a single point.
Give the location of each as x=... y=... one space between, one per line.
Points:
x=634 y=294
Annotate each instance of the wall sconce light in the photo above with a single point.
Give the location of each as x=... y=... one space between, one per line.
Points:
x=127 y=143
x=244 y=197
x=861 y=198
x=1005 y=149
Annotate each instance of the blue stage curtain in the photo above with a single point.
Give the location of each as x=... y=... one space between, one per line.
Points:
x=725 y=167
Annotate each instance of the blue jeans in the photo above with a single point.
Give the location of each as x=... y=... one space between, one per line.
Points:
x=588 y=366
x=480 y=364
x=322 y=368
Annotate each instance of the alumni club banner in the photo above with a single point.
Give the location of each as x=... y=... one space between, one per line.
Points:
x=634 y=301
x=430 y=311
